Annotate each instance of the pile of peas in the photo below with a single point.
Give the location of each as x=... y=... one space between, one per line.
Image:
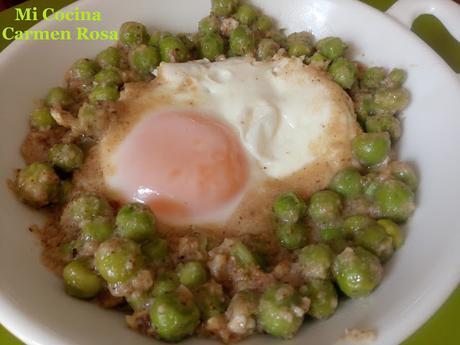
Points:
x=339 y=237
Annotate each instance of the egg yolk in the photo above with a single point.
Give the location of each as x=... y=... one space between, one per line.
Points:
x=182 y=164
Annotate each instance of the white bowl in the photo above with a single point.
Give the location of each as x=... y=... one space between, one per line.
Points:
x=33 y=304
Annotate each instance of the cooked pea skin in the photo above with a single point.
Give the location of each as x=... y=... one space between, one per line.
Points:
x=394 y=200
x=118 y=260
x=67 y=157
x=357 y=272
x=289 y=207
x=371 y=148
x=242 y=41
x=343 y=72
x=276 y=302
x=347 y=183
x=192 y=274
x=325 y=206
x=323 y=298
x=291 y=235
x=37 y=184
x=41 y=119
x=174 y=316
x=316 y=261
x=80 y=280
x=331 y=47
x=133 y=34
x=136 y=222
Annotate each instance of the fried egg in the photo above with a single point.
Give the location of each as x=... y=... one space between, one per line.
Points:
x=210 y=144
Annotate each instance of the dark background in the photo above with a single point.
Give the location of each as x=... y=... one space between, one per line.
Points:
x=4 y=4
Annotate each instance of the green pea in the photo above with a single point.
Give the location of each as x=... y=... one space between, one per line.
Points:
x=59 y=97
x=139 y=301
x=210 y=299
x=343 y=72
x=242 y=41
x=106 y=93
x=223 y=8
x=92 y=120
x=136 y=222
x=156 y=250
x=84 y=70
x=246 y=14
x=347 y=182
x=174 y=316
x=319 y=61
x=353 y=224
x=266 y=49
x=316 y=261
x=108 y=76
x=404 y=172
x=145 y=59
x=192 y=274
x=370 y=183
x=66 y=157
x=166 y=282
x=375 y=239
x=133 y=34
x=190 y=41
x=330 y=233
x=118 y=260
x=172 y=49
x=100 y=229
x=110 y=57
x=323 y=298
x=288 y=207
x=211 y=46
x=85 y=208
x=384 y=123
x=371 y=148
x=363 y=103
x=281 y=311
x=373 y=77
x=41 y=119
x=80 y=280
x=395 y=78
x=300 y=44
x=331 y=47
x=390 y=101
x=157 y=36
x=357 y=272
x=393 y=230
x=264 y=23
x=37 y=184
x=243 y=255
x=394 y=200
x=325 y=206
x=278 y=36
x=209 y=24
x=291 y=235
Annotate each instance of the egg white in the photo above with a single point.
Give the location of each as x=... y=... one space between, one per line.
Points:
x=287 y=116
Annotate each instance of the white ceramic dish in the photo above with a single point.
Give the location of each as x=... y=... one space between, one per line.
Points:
x=419 y=277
